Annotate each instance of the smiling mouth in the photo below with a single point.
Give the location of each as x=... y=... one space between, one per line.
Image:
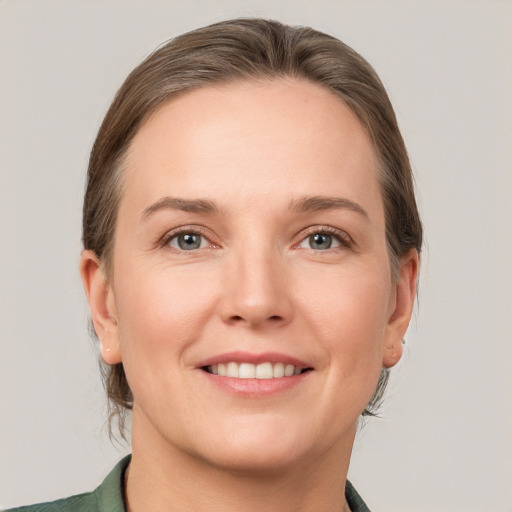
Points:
x=265 y=370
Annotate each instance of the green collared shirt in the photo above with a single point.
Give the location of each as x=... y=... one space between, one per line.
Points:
x=108 y=497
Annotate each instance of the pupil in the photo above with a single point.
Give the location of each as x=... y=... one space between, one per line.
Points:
x=320 y=241
x=189 y=241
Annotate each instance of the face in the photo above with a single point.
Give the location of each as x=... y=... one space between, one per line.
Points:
x=251 y=300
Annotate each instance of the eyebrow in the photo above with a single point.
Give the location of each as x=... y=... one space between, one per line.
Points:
x=303 y=205
x=176 y=203
x=318 y=203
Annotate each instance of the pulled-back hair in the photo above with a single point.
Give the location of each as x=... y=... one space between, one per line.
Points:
x=233 y=51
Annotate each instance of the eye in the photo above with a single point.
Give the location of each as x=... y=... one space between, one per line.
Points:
x=187 y=241
x=319 y=242
x=323 y=239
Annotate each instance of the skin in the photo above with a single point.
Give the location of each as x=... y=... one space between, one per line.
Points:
x=255 y=284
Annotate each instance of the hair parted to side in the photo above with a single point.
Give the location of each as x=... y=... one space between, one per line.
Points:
x=230 y=51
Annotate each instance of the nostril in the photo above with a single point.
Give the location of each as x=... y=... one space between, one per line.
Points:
x=241 y=318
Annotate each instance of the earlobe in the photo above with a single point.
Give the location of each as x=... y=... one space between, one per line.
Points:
x=101 y=301
x=393 y=354
x=405 y=294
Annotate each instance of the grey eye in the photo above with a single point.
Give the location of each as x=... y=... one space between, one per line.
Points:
x=320 y=241
x=187 y=241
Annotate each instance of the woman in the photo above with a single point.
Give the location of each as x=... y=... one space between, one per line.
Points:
x=251 y=250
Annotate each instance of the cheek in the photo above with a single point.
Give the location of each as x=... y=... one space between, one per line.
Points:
x=349 y=311
x=161 y=313
x=162 y=308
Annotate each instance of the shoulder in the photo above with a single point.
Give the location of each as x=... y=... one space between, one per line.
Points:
x=108 y=497
x=82 y=502
x=355 y=501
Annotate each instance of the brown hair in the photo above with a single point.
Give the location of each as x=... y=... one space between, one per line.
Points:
x=234 y=50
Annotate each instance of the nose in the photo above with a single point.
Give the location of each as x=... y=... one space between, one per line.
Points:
x=256 y=290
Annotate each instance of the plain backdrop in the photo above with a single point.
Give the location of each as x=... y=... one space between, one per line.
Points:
x=445 y=440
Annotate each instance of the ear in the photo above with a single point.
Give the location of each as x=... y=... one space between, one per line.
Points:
x=102 y=305
x=401 y=308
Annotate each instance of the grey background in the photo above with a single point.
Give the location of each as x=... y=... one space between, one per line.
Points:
x=445 y=442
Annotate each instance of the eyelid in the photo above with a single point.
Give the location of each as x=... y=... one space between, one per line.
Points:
x=343 y=237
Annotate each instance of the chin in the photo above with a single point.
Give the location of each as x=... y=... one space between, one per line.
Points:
x=264 y=446
x=253 y=459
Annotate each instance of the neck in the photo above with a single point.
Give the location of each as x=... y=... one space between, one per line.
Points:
x=163 y=478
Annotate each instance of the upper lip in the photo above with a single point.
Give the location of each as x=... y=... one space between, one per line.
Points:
x=246 y=357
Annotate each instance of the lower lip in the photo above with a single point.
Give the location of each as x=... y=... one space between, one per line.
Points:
x=255 y=387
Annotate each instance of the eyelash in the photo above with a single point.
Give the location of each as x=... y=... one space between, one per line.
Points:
x=341 y=236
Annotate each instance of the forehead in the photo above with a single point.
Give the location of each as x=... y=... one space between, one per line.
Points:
x=252 y=137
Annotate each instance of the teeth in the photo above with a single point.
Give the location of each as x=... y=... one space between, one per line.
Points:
x=264 y=371
x=279 y=370
x=232 y=370
x=252 y=371
x=246 y=371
